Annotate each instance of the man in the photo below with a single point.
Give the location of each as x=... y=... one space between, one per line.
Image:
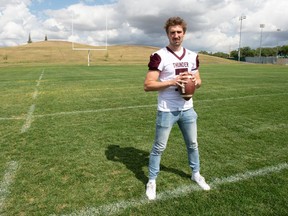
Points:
x=169 y=67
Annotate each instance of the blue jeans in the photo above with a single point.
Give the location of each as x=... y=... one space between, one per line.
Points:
x=187 y=122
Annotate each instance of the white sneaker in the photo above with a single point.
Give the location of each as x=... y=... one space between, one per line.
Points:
x=200 y=180
x=151 y=190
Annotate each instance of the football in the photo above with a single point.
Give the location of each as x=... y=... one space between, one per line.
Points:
x=187 y=89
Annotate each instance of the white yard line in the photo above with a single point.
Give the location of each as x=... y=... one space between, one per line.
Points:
x=35 y=94
x=116 y=208
x=29 y=117
x=94 y=111
x=131 y=107
x=12 y=118
x=28 y=120
x=241 y=97
x=143 y=106
x=40 y=78
x=7 y=180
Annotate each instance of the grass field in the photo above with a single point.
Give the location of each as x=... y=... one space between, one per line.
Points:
x=75 y=140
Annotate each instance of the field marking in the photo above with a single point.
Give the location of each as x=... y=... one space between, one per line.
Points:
x=144 y=106
x=133 y=107
x=12 y=118
x=7 y=180
x=241 y=97
x=97 y=110
x=116 y=208
x=28 y=120
x=40 y=78
x=29 y=117
x=35 y=94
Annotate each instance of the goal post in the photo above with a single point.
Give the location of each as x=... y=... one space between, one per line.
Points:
x=89 y=49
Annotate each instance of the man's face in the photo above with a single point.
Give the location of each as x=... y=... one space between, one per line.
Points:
x=175 y=35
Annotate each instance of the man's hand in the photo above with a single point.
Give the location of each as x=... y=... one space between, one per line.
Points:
x=182 y=78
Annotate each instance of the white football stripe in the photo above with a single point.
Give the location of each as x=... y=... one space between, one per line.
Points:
x=132 y=107
x=7 y=180
x=29 y=117
x=116 y=208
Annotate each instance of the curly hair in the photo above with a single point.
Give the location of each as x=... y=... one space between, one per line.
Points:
x=173 y=21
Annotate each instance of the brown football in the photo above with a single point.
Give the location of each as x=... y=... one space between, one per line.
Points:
x=187 y=89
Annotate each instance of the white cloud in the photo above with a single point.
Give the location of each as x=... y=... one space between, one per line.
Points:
x=4 y=3
x=213 y=25
x=16 y=23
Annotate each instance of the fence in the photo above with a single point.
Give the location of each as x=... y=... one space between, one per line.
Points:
x=267 y=60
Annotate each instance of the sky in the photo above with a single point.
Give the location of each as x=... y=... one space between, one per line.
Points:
x=213 y=25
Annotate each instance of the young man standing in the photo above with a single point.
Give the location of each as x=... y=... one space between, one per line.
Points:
x=169 y=67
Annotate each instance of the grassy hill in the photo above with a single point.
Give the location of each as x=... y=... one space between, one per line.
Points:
x=60 y=52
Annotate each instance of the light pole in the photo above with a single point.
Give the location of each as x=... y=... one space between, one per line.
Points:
x=278 y=30
x=239 y=52
x=261 y=27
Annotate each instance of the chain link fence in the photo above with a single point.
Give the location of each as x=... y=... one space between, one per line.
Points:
x=267 y=60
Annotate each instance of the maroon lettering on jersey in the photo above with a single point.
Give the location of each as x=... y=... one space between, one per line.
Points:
x=155 y=60
x=181 y=64
x=180 y=70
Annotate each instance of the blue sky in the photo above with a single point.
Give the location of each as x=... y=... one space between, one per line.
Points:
x=213 y=25
x=51 y=4
x=39 y=5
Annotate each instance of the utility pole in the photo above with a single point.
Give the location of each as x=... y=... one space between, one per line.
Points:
x=261 y=27
x=239 y=52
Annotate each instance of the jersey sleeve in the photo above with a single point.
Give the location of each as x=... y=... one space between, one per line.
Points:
x=195 y=69
x=155 y=61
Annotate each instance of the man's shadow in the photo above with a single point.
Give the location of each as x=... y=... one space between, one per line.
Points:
x=135 y=159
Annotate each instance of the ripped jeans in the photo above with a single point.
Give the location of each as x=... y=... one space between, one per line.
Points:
x=187 y=122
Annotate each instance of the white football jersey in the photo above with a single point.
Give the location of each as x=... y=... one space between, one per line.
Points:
x=169 y=64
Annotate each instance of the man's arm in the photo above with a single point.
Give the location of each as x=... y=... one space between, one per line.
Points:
x=152 y=82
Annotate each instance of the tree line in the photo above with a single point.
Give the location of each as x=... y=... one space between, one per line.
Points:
x=280 y=51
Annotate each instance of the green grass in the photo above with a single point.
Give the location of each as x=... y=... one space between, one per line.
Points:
x=84 y=150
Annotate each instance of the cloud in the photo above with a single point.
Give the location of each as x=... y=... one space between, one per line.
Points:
x=16 y=22
x=213 y=25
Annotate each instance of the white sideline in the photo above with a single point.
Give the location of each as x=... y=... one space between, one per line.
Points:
x=29 y=117
x=7 y=180
x=116 y=208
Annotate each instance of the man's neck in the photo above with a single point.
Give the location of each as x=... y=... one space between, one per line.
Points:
x=175 y=48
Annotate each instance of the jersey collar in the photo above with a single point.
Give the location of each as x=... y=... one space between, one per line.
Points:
x=179 y=57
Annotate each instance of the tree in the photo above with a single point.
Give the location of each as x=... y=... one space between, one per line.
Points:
x=283 y=51
x=46 y=39
x=247 y=52
x=265 y=52
x=29 y=39
x=234 y=54
x=204 y=52
x=221 y=54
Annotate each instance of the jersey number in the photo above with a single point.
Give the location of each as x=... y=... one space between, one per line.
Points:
x=180 y=70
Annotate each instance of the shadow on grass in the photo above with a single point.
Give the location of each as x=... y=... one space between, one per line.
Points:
x=135 y=159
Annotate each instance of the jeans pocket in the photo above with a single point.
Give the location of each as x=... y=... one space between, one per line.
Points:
x=164 y=119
